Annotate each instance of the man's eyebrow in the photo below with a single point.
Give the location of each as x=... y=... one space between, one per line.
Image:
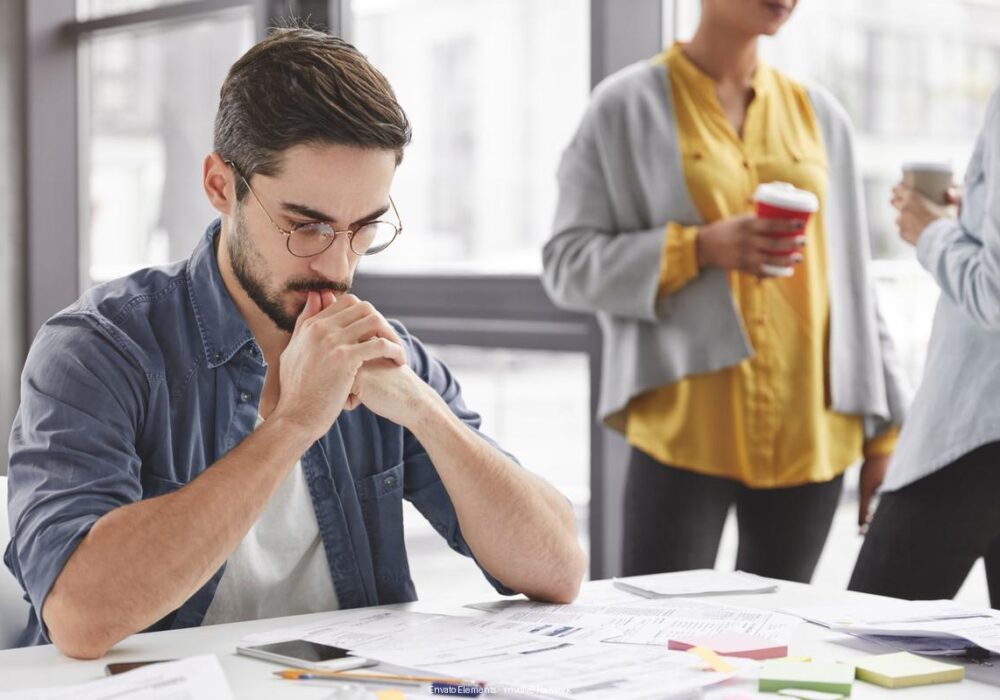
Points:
x=316 y=215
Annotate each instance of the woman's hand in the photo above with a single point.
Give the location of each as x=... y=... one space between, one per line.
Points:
x=916 y=212
x=745 y=243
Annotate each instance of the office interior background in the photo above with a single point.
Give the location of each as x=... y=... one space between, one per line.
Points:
x=106 y=110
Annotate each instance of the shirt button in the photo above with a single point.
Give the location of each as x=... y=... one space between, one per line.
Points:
x=218 y=357
x=245 y=396
x=389 y=481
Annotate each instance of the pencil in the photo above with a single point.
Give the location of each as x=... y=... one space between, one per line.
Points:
x=394 y=678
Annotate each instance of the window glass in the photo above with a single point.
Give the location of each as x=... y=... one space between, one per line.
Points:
x=93 y=9
x=536 y=405
x=494 y=90
x=149 y=101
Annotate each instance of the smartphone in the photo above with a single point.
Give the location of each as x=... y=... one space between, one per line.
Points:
x=300 y=653
x=125 y=666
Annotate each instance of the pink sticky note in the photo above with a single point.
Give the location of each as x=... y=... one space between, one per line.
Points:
x=733 y=644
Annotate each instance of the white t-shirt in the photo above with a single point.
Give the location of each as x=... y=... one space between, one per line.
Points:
x=280 y=567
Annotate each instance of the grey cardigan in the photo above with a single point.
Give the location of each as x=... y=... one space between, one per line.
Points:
x=620 y=182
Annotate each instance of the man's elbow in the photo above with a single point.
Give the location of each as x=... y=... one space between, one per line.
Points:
x=562 y=585
x=73 y=632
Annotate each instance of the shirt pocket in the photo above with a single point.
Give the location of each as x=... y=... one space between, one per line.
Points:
x=381 y=497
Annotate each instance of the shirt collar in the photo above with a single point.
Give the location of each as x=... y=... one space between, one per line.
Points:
x=678 y=63
x=223 y=330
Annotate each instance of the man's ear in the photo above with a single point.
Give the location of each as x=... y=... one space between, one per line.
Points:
x=219 y=181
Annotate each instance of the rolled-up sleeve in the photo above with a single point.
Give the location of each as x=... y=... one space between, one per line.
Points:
x=72 y=447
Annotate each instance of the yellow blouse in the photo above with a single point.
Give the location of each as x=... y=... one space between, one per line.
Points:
x=765 y=421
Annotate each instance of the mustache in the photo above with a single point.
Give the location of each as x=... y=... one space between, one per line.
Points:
x=317 y=285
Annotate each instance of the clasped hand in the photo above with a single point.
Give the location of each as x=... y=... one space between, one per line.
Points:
x=343 y=353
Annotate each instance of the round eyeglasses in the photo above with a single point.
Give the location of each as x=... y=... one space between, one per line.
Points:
x=310 y=239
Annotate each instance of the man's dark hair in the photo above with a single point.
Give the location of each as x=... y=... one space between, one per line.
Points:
x=301 y=86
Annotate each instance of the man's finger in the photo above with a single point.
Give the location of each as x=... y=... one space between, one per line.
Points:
x=377 y=348
x=313 y=306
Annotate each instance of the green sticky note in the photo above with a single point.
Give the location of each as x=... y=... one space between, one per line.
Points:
x=903 y=669
x=827 y=677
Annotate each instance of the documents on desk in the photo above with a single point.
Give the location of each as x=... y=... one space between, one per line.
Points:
x=193 y=678
x=508 y=658
x=643 y=622
x=926 y=627
x=696 y=583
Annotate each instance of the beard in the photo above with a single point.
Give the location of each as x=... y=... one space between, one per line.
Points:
x=250 y=270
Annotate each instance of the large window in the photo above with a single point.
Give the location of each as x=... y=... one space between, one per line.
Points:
x=149 y=97
x=494 y=90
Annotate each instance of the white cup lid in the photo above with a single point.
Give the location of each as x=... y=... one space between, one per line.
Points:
x=933 y=165
x=786 y=196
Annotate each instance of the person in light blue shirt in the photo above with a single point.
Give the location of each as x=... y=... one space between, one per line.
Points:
x=232 y=436
x=941 y=508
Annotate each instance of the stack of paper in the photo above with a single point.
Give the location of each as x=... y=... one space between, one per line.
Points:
x=929 y=627
x=903 y=670
x=505 y=657
x=700 y=582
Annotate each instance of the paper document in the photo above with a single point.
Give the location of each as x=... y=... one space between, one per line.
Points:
x=644 y=622
x=194 y=678
x=879 y=612
x=595 y=671
x=415 y=640
x=701 y=582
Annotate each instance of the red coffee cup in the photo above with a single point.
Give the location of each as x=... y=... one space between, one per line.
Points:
x=780 y=200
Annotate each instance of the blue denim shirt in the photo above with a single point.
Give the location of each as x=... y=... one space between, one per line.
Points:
x=145 y=382
x=956 y=408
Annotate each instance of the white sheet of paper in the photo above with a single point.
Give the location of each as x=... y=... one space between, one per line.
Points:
x=980 y=631
x=644 y=622
x=700 y=582
x=594 y=671
x=194 y=678
x=407 y=639
x=347 y=629
x=881 y=612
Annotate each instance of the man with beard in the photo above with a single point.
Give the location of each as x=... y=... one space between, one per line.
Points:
x=231 y=437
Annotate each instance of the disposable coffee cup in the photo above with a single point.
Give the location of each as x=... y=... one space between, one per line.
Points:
x=780 y=200
x=930 y=178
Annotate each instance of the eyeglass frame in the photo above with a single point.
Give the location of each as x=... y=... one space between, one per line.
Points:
x=333 y=236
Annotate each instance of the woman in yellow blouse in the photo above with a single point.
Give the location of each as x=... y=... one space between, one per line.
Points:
x=731 y=387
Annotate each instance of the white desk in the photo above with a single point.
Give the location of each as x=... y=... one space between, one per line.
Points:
x=249 y=678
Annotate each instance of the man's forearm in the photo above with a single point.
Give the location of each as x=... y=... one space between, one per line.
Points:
x=519 y=527
x=141 y=561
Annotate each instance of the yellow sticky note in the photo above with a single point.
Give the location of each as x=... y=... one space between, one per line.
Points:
x=903 y=669
x=714 y=661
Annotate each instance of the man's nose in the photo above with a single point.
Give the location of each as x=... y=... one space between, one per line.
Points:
x=336 y=262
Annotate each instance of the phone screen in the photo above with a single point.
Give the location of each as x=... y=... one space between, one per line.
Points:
x=304 y=650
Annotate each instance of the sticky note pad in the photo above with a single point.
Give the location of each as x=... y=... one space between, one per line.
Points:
x=733 y=644
x=903 y=669
x=827 y=677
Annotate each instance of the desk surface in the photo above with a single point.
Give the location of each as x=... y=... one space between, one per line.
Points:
x=44 y=666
